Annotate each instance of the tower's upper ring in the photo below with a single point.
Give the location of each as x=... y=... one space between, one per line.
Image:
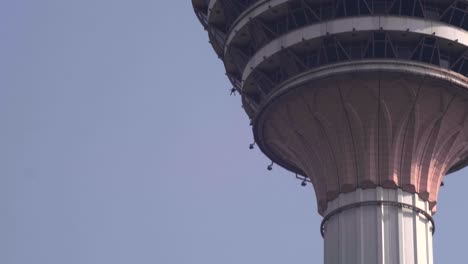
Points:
x=347 y=39
x=299 y=13
x=228 y=16
x=442 y=32
x=239 y=28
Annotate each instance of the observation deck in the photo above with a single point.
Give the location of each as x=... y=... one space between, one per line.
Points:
x=350 y=93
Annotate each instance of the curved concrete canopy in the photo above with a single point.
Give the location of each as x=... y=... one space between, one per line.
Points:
x=309 y=128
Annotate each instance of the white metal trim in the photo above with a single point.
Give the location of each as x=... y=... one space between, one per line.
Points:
x=350 y=24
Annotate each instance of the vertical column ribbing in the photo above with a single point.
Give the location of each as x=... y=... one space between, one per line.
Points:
x=378 y=234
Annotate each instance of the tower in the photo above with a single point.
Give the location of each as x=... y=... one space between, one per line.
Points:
x=366 y=99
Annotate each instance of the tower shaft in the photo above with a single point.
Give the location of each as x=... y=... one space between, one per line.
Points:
x=381 y=226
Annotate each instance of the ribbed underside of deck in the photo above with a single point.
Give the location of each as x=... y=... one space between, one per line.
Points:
x=369 y=129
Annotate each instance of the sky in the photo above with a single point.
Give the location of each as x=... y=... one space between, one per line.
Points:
x=120 y=143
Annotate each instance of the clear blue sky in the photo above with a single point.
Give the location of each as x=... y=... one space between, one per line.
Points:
x=119 y=143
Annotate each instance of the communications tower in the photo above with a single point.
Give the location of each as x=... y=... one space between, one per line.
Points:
x=366 y=99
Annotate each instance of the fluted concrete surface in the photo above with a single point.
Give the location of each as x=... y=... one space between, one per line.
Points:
x=378 y=234
x=369 y=129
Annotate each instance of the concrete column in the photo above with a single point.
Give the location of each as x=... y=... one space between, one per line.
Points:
x=378 y=234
